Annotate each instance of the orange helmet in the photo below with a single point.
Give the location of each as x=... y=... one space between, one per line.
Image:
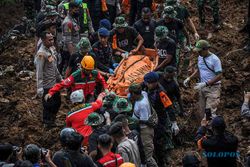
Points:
x=88 y=62
x=127 y=164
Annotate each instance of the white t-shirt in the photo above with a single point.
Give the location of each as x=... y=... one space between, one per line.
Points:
x=213 y=63
x=142 y=108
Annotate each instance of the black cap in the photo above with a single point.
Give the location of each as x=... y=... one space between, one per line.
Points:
x=190 y=160
x=218 y=122
x=115 y=128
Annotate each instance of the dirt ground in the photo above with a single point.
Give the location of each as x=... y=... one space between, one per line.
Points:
x=21 y=114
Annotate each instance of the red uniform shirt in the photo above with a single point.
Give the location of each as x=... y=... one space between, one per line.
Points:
x=77 y=116
x=78 y=80
x=111 y=160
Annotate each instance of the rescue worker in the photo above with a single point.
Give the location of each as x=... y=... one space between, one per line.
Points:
x=136 y=7
x=70 y=34
x=123 y=38
x=176 y=29
x=114 y=9
x=96 y=121
x=85 y=20
x=220 y=148
x=109 y=100
x=85 y=79
x=172 y=88
x=174 y=25
x=167 y=124
x=166 y=48
x=104 y=53
x=146 y=27
x=214 y=4
x=47 y=76
x=210 y=71
x=70 y=155
x=83 y=48
x=80 y=112
x=142 y=112
x=183 y=15
x=98 y=10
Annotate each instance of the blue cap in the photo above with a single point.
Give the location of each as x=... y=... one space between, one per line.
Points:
x=103 y=32
x=151 y=77
x=105 y=23
x=218 y=122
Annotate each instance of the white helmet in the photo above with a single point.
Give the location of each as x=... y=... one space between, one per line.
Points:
x=77 y=96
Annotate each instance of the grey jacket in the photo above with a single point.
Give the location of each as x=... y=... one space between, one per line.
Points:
x=245 y=111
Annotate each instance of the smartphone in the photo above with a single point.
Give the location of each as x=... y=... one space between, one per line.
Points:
x=208 y=114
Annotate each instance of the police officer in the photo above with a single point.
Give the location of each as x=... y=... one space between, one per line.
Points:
x=70 y=33
x=70 y=154
x=85 y=20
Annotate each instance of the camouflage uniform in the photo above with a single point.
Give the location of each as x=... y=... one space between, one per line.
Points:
x=214 y=4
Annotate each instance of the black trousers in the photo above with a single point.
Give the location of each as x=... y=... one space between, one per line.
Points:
x=51 y=107
x=65 y=61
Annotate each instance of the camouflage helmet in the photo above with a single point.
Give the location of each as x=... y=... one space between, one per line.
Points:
x=51 y=2
x=84 y=45
x=170 y=3
x=120 y=22
x=169 y=12
x=161 y=32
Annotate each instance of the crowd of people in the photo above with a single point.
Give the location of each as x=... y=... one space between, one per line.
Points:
x=79 y=45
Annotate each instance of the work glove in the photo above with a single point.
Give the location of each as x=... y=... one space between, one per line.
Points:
x=186 y=81
x=125 y=55
x=196 y=36
x=47 y=97
x=115 y=65
x=106 y=115
x=111 y=71
x=200 y=85
x=175 y=129
x=40 y=92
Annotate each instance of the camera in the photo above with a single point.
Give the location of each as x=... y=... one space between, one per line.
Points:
x=208 y=114
x=16 y=149
x=44 y=151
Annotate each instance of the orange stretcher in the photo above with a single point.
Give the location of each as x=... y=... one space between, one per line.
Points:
x=132 y=70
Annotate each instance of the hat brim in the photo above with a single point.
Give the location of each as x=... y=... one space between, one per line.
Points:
x=197 y=49
x=99 y=122
x=112 y=102
x=125 y=110
x=120 y=25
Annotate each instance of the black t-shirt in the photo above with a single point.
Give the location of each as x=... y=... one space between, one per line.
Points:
x=182 y=12
x=146 y=30
x=227 y=143
x=75 y=60
x=103 y=56
x=175 y=27
x=171 y=88
x=166 y=47
x=64 y=157
x=126 y=40
x=93 y=140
